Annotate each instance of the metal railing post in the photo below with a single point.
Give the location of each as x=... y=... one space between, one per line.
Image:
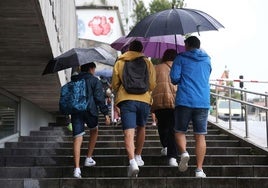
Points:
x=230 y=110
x=244 y=106
x=266 y=119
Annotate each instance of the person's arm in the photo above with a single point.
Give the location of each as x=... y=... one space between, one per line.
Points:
x=115 y=78
x=152 y=75
x=99 y=99
x=175 y=71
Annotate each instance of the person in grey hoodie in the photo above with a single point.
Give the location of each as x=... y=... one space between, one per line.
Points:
x=190 y=72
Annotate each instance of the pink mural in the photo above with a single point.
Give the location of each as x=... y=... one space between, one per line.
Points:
x=101 y=25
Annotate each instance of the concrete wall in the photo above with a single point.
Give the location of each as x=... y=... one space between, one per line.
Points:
x=60 y=20
x=32 y=117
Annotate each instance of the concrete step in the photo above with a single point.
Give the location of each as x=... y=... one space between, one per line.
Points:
x=143 y=182
x=119 y=151
x=110 y=138
x=105 y=144
x=110 y=131
x=121 y=171
x=115 y=160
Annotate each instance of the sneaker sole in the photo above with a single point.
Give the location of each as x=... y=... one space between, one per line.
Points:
x=183 y=166
x=77 y=176
x=90 y=165
x=134 y=173
x=203 y=175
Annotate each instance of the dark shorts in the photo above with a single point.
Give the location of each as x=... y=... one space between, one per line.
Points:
x=80 y=119
x=198 y=116
x=133 y=114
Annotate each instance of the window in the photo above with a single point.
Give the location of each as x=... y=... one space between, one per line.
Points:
x=8 y=116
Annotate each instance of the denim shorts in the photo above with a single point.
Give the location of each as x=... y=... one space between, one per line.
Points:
x=198 y=116
x=80 y=119
x=133 y=113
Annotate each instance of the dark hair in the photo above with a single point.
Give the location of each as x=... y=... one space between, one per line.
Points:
x=86 y=67
x=135 y=45
x=192 y=42
x=169 y=55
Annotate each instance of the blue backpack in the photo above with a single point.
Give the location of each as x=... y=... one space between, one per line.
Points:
x=73 y=97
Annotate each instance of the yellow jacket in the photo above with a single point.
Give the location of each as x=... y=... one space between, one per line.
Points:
x=121 y=94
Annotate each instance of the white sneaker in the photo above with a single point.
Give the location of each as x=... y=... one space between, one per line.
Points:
x=133 y=170
x=139 y=160
x=164 y=151
x=200 y=174
x=183 y=165
x=172 y=162
x=77 y=173
x=90 y=162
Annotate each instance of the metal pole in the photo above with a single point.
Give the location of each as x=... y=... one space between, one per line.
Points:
x=112 y=108
x=230 y=110
x=217 y=98
x=246 y=114
x=266 y=119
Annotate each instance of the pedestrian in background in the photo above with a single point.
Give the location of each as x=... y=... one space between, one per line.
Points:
x=163 y=106
x=190 y=72
x=134 y=108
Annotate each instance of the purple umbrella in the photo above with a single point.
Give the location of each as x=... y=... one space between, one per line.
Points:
x=152 y=46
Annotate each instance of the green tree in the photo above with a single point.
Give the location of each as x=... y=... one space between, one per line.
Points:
x=140 y=12
x=159 y=5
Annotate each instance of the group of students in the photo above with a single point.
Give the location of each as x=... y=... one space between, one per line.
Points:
x=178 y=94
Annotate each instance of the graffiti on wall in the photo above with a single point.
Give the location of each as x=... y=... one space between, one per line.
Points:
x=97 y=25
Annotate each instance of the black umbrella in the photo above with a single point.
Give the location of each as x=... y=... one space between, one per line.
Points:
x=174 y=21
x=77 y=57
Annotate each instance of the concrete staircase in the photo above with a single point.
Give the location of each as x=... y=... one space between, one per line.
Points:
x=44 y=160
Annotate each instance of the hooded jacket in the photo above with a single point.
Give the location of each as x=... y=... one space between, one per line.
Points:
x=164 y=92
x=191 y=71
x=121 y=94
x=95 y=93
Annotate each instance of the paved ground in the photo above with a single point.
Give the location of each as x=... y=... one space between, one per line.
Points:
x=257 y=132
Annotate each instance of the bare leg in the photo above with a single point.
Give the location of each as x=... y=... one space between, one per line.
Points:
x=76 y=150
x=129 y=142
x=140 y=137
x=92 y=141
x=180 y=139
x=200 y=150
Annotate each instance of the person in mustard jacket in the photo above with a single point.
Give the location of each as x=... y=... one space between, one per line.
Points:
x=134 y=108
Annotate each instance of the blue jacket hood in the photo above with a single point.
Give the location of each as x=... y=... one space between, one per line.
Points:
x=196 y=55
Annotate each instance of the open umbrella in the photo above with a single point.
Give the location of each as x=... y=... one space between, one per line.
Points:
x=174 y=21
x=77 y=57
x=152 y=46
x=104 y=72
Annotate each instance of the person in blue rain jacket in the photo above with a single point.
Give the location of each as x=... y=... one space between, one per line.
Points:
x=190 y=72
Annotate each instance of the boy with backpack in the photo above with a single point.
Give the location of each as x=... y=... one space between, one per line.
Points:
x=133 y=80
x=89 y=117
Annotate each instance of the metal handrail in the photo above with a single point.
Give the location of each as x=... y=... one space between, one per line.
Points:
x=244 y=103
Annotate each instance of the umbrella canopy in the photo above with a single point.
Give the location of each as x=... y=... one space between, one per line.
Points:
x=104 y=72
x=77 y=57
x=174 y=21
x=152 y=46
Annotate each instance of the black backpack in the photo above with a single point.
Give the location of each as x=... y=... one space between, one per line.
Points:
x=136 y=76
